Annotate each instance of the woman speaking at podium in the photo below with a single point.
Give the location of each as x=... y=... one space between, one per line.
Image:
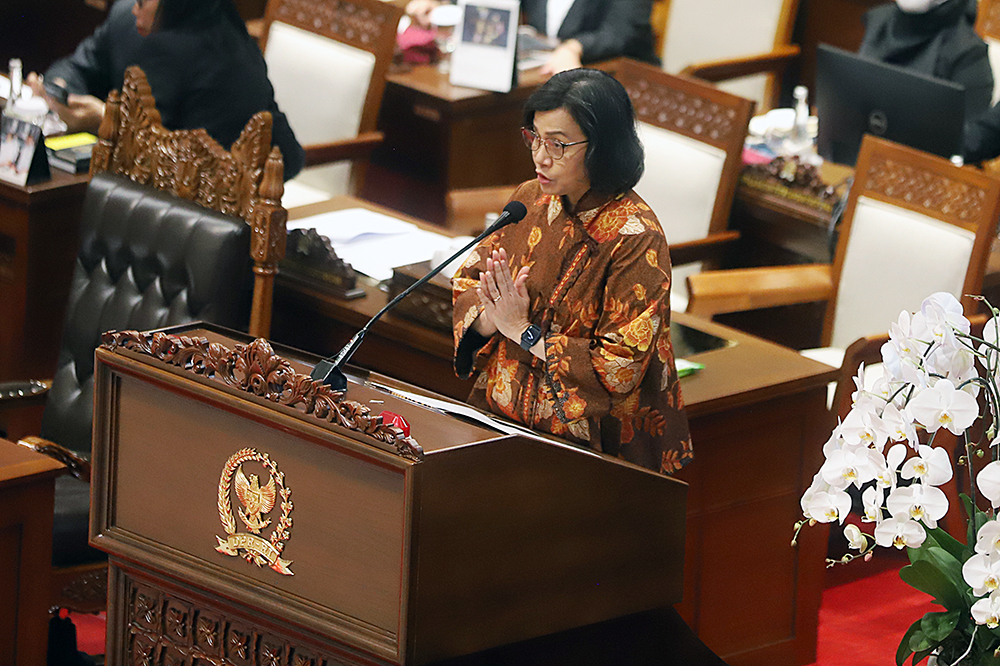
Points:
x=566 y=314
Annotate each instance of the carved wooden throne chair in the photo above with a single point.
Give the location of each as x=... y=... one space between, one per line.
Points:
x=172 y=225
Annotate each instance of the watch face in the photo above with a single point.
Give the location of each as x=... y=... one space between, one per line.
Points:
x=530 y=336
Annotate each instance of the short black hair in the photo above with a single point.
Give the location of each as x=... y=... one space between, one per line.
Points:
x=601 y=107
x=188 y=14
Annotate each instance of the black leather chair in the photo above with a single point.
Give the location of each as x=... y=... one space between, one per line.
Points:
x=174 y=229
x=147 y=260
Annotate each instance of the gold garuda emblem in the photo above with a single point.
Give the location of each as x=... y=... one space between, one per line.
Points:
x=256 y=502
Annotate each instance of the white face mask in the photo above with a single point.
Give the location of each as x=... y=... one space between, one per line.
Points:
x=918 y=6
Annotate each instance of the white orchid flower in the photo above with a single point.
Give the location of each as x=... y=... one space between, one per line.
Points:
x=931 y=466
x=855 y=539
x=939 y=317
x=900 y=531
x=988 y=482
x=922 y=503
x=863 y=427
x=987 y=611
x=850 y=465
x=899 y=425
x=982 y=573
x=826 y=507
x=988 y=538
x=871 y=502
x=941 y=405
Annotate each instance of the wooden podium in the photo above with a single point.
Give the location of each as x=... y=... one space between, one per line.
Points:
x=250 y=517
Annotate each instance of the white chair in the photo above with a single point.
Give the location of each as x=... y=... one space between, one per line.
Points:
x=915 y=224
x=744 y=44
x=327 y=60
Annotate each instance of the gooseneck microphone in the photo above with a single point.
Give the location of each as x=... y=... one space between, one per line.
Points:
x=329 y=370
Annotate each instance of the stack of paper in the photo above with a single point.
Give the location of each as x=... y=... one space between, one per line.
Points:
x=373 y=243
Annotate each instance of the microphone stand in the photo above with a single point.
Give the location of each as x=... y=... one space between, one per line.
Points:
x=329 y=370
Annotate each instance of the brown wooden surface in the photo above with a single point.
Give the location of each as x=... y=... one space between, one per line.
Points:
x=386 y=562
x=445 y=137
x=758 y=419
x=26 y=499
x=39 y=233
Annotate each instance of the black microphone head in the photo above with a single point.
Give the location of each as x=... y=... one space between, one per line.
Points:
x=515 y=211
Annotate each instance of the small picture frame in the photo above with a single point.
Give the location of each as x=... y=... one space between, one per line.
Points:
x=22 y=151
x=485 y=54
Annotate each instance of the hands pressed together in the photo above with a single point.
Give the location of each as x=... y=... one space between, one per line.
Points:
x=504 y=298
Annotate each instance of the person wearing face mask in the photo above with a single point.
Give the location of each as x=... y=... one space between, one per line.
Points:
x=936 y=38
x=204 y=69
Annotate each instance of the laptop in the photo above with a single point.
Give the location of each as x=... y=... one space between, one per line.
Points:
x=856 y=95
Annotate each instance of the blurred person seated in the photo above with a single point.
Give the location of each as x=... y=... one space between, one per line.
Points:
x=204 y=69
x=936 y=38
x=587 y=30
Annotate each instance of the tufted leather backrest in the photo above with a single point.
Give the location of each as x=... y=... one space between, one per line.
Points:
x=147 y=259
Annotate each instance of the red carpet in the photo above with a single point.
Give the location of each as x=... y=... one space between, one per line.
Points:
x=860 y=622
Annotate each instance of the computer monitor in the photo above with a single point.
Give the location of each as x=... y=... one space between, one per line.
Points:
x=857 y=96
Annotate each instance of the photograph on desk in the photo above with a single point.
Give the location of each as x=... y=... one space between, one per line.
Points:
x=18 y=142
x=485 y=54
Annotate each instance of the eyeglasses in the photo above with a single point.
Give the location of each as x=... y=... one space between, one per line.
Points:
x=555 y=148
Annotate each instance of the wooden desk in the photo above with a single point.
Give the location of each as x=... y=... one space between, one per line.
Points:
x=758 y=420
x=27 y=487
x=444 y=137
x=39 y=233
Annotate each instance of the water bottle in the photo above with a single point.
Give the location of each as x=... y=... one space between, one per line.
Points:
x=16 y=78
x=801 y=140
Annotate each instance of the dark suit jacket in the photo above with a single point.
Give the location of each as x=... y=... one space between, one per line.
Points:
x=605 y=28
x=212 y=78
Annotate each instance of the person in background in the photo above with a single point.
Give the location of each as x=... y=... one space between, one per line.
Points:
x=936 y=38
x=588 y=30
x=204 y=69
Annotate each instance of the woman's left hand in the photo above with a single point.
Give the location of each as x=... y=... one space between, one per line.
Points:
x=504 y=298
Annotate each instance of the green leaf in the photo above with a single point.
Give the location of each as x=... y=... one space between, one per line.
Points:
x=938 y=574
x=938 y=626
x=904 y=651
x=938 y=537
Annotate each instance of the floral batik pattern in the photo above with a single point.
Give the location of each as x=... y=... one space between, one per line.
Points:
x=599 y=286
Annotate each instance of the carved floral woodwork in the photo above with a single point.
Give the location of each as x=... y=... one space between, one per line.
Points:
x=925 y=190
x=244 y=182
x=166 y=629
x=680 y=111
x=360 y=26
x=256 y=369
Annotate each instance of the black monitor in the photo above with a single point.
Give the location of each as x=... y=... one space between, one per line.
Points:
x=857 y=96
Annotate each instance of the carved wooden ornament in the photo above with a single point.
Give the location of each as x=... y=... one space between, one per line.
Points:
x=244 y=182
x=256 y=369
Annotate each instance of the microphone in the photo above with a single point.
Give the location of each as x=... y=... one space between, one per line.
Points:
x=329 y=370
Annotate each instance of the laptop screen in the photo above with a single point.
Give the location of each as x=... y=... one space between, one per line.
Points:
x=857 y=96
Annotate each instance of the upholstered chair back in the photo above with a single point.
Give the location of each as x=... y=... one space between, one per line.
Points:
x=692 y=135
x=915 y=224
x=327 y=60
x=699 y=31
x=147 y=260
x=321 y=85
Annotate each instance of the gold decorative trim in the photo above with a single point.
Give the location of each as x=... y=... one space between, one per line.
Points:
x=256 y=369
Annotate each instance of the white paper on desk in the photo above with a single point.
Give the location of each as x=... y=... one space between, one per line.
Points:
x=374 y=243
x=487 y=45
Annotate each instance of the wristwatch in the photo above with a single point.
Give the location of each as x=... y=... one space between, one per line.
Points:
x=531 y=335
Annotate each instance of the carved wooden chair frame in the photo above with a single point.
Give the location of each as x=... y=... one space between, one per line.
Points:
x=700 y=112
x=245 y=182
x=369 y=25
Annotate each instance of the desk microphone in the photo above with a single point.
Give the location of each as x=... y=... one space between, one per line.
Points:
x=329 y=370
